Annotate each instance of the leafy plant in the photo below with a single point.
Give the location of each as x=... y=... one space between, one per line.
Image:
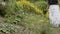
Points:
x=42 y=5
x=25 y=14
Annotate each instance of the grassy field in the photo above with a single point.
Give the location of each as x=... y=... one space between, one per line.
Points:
x=25 y=17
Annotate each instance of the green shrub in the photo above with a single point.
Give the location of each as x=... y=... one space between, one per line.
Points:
x=26 y=17
x=42 y=5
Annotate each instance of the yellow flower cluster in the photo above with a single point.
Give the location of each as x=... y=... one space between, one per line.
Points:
x=24 y=2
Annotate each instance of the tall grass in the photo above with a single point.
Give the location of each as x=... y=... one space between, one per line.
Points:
x=28 y=15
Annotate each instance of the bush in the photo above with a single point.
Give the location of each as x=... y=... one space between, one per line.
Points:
x=42 y=5
x=26 y=16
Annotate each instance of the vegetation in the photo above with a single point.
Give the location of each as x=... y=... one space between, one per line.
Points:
x=25 y=17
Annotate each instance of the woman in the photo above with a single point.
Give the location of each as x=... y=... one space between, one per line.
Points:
x=54 y=14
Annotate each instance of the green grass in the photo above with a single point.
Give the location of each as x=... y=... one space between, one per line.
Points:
x=21 y=20
x=31 y=22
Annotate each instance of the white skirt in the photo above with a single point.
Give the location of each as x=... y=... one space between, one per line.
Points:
x=54 y=15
